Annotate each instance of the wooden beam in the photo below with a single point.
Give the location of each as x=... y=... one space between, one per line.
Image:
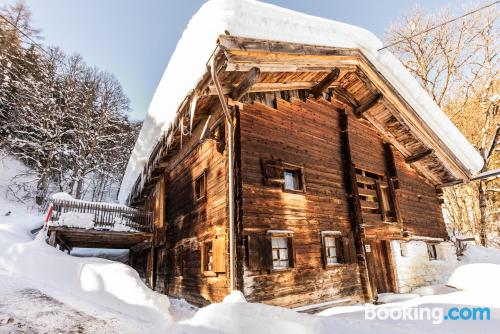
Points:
x=356 y=216
x=53 y=238
x=141 y=246
x=250 y=78
x=367 y=105
x=317 y=90
x=342 y=94
x=419 y=156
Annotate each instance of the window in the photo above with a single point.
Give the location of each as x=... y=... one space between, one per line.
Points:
x=200 y=187
x=213 y=256
x=271 y=251
x=330 y=250
x=375 y=197
x=207 y=256
x=333 y=249
x=280 y=174
x=293 y=179
x=280 y=252
x=431 y=250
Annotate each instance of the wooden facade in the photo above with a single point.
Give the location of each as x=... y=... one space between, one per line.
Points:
x=330 y=165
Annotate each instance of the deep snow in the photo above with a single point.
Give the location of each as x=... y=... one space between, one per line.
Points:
x=249 y=18
x=45 y=290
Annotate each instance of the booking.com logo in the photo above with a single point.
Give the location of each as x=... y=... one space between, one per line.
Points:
x=435 y=314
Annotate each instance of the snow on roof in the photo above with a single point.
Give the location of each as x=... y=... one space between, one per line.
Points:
x=253 y=19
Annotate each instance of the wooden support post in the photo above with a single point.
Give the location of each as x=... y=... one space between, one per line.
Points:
x=150 y=268
x=131 y=258
x=354 y=205
x=53 y=238
x=367 y=105
x=250 y=78
x=321 y=86
x=419 y=156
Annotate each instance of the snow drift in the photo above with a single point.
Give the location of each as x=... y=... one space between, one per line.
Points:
x=109 y=284
x=249 y=18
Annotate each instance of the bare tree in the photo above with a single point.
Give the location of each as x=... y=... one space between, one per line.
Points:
x=457 y=64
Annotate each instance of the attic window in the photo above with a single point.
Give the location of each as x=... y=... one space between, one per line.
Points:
x=200 y=185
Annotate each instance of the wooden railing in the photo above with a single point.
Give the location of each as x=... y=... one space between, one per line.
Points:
x=103 y=216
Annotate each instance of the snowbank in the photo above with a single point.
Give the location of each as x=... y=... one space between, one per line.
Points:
x=108 y=284
x=438 y=289
x=478 y=277
x=384 y=298
x=480 y=254
x=249 y=18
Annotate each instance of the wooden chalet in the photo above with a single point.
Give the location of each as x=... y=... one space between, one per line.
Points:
x=288 y=174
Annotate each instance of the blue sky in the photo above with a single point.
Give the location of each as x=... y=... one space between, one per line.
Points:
x=134 y=39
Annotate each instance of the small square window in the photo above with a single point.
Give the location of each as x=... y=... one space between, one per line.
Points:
x=431 y=250
x=330 y=251
x=293 y=179
x=280 y=253
x=200 y=187
x=207 y=256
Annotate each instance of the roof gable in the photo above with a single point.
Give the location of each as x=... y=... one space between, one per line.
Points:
x=282 y=49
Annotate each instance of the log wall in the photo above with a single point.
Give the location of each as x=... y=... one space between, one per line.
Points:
x=307 y=134
x=304 y=134
x=191 y=223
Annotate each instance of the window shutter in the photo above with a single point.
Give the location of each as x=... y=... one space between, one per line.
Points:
x=339 y=248
x=392 y=194
x=349 y=250
x=272 y=173
x=259 y=252
x=218 y=254
x=323 y=251
x=291 y=252
x=380 y=198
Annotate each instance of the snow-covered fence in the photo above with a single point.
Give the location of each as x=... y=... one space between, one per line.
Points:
x=102 y=216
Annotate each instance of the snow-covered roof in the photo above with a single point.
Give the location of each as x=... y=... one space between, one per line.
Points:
x=253 y=19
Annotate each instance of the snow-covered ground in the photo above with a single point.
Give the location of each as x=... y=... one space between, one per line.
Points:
x=43 y=290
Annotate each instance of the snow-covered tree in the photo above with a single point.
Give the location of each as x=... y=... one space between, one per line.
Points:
x=66 y=120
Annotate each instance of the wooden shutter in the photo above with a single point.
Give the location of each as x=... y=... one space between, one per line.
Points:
x=272 y=172
x=323 y=251
x=393 y=196
x=381 y=202
x=349 y=250
x=291 y=252
x=218 y=254
x=259 y=252
x=339 y=249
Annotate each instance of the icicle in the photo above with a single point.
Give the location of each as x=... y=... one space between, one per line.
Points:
x=192 y=109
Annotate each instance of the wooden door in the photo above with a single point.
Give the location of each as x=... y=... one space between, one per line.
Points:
x=378 y=253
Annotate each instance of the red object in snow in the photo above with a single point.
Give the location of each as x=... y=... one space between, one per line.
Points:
x=49 y=213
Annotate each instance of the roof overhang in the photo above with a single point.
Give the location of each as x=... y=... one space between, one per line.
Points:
x=360 y=88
